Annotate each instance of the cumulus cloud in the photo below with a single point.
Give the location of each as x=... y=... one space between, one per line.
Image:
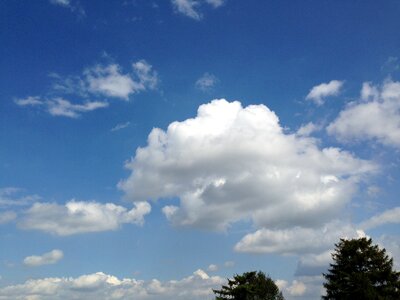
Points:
x=297 y=240
x=190 y=8
x=308 y=129
x=319 y=92
x=212 y=268
x=48 y=258
x=376 y=116
x=77 y=217
x=231 y=163
x=206 y=82
x=102 y=286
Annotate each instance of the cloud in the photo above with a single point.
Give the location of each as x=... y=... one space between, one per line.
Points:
x=97 y=81
x=62 y=107
x=11 y=196
x=308 y=129
x=187 y=8
x=73 y=7
x=376 y=116
x=65 y=3
x=297 y=240
x=76 y=217
x=323 y=90
x=231 y=163
x=212 y=268
x=7 y=216
x=190 y=8
x=120 y=126
x=48 y=258
x=206 y=82
x=390 y=216
x=102 y=286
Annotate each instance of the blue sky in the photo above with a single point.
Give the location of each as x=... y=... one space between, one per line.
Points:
x=151 y=149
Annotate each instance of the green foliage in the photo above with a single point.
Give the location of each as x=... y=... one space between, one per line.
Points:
x=249 y=286
x=361 y=271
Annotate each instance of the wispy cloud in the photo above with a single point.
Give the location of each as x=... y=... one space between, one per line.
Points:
x=62 y=107
x=120 y=126
x=48 y=258
x=318 y=93
x=73 y=6
x=206 y=82
x=191 y=8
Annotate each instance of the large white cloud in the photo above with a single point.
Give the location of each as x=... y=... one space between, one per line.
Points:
x=102 y=286
x=376 y=116
x=48 y=258
x=81 y=217
x=231 y=163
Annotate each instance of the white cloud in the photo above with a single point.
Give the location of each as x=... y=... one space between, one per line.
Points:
x=31 y=101
x=97 y=81
x=109 y=81
x=229 y=264
x=232 y=163
x=48 y=258
x=102 y=286
x=120 y=126
x=77 y=217
x=62 y=107
x=190 y=8
x=390 y=216
x=376 y=116
x=11 y=196
x=73 y=7
x=308 y=129
x=206 y=82
x=212 y=268
x=216 y=3
x=7 y=216
x=318 y=93
x=297 y=240
x=61 y=2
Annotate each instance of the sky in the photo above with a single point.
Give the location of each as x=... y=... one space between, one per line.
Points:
x=151 y=149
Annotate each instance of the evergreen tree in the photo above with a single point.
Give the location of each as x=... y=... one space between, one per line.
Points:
x=249 y=286
x=361 y=271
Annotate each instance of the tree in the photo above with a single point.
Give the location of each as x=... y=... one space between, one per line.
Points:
x=249 y=286
x=361 y=271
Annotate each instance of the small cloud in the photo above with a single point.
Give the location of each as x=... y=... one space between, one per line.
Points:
x=74 y=7
x=392 y=64
x=120 y=126
x=212 y=268
x=48 y=258
x=206 y=82
x=62 y=107
x=187 y=8
x=190 y=8
x=229 y=264
x=373 y=190
x=29 y=101
x=319 y=92
x=308 y=129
